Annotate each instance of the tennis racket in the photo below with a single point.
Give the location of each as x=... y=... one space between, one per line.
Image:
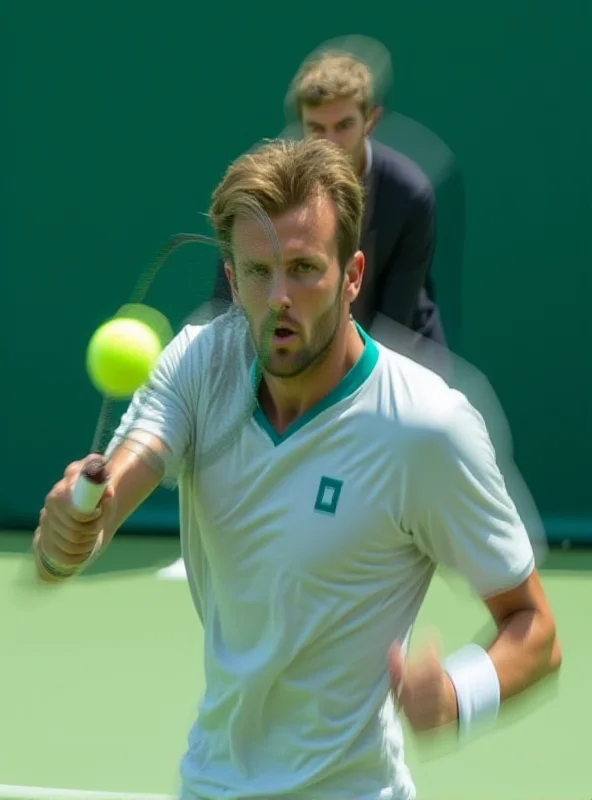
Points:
x=93 y=479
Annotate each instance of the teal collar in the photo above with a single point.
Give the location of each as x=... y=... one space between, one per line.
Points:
x=350 y=382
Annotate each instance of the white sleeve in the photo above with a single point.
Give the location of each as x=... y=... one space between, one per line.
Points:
x=460 y=512
x=166 y=406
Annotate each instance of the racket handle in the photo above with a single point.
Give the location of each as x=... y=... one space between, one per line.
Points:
x=90 y=486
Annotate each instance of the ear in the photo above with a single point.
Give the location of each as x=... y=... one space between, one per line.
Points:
x=231 y=278
x=373 y=119
x=354 y=272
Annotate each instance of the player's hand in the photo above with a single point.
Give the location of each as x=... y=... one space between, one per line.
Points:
x=422 y=689
x=67 y=536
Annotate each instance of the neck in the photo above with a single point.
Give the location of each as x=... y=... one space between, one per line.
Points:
x=284 y=400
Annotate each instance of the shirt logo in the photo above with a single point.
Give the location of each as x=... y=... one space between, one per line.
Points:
x=328 y=495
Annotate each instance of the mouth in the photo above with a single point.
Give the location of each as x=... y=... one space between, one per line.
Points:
x=283 y=334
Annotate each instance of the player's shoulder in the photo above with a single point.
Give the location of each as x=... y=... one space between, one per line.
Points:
x=400 y=172
x=216 y=330
x=424 y=405
x=206 y=346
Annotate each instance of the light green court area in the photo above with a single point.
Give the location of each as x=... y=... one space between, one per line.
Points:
x=101 y=679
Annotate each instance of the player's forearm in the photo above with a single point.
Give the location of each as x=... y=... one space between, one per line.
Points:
x=136 y=469
x=525 y=650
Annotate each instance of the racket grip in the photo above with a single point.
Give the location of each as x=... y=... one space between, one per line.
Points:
x=90 y=486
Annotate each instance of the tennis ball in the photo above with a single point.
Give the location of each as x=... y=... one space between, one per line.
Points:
x=120 y=356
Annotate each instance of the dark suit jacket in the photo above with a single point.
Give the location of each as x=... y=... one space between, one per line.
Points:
x=398 y=236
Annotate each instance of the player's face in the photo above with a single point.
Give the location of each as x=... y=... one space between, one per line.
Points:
x=296 y=303
x=339 y=121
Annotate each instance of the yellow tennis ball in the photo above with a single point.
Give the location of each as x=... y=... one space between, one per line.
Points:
x=121 y=355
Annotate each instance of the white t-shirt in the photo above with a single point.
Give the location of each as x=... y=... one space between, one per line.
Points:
x=307 y=554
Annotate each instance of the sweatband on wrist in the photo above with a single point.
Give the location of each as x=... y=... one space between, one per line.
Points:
x=63 y=571
x=477 y=687
x=54 y=568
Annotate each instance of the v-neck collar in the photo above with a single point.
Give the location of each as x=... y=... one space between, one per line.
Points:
x=350 y=382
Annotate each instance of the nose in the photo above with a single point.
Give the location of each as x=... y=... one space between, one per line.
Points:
x=278 y=294
x=333 y=137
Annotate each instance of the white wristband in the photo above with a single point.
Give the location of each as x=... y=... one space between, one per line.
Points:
x=476 y=685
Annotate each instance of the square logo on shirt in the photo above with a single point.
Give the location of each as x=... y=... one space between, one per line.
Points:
x=328 y=495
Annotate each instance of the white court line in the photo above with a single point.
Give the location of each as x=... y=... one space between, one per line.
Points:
x=41 y=793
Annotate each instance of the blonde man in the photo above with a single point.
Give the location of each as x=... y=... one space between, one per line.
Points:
x=311 y=541
x=333 y=97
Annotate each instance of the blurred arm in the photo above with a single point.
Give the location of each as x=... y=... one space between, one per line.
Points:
x=467 y=521
x=526 y=647
x=136 y=468
x=149 y=446
x=67 y=539
x=155 y=433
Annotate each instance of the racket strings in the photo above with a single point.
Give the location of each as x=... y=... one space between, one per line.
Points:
x=254 y=211
x=105 y=420
x=103 y=423
x=147 y=277
x=258 y=355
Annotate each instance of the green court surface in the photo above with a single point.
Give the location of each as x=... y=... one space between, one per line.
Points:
x=100 y=681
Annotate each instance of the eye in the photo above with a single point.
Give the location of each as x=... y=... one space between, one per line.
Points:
x=305 y=267
x=258 y=270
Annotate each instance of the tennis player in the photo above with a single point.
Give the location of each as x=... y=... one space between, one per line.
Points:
x=333 y=98
x=311 y=538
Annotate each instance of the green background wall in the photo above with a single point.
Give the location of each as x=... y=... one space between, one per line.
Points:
x=119 y=118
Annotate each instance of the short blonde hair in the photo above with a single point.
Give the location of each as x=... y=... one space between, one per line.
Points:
x=332 y=76
x=283 y=174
